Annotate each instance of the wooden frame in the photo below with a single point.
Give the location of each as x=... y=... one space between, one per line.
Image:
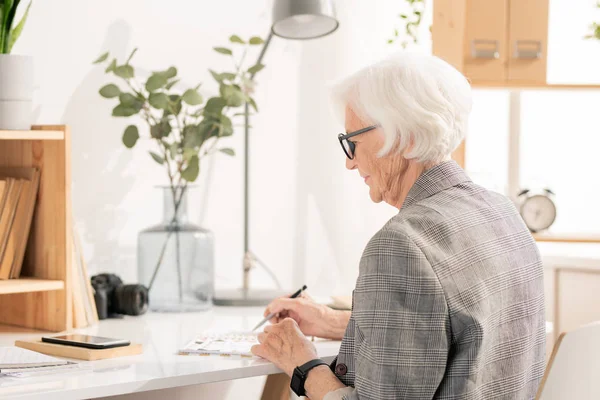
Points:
x=42 y=299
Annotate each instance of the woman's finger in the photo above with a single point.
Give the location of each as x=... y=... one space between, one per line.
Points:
x=261 y=337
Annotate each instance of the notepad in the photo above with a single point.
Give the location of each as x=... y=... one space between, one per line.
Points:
x=15 y=359
x=221 y=343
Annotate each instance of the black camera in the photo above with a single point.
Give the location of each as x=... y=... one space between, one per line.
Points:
x=113 y=298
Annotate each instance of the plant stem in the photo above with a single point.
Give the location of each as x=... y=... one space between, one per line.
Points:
x=177 y=256
x=172 y=228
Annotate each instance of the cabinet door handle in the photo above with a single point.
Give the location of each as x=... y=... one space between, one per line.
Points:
x=528 y=49
x=482 y=48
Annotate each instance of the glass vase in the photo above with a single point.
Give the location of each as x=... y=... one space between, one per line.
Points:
x=176 y=259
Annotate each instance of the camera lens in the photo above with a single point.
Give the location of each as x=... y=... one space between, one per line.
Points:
x=131 y=299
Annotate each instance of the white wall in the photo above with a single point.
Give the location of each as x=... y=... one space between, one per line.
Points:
x=310 y=217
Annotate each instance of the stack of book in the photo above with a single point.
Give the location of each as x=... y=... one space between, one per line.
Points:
x=18 y=193
x=84 y=305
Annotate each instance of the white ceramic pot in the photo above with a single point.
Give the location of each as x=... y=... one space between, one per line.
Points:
x=16 y=91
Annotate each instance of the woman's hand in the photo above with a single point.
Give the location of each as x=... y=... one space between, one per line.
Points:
x=285 y=346
x=313 y=319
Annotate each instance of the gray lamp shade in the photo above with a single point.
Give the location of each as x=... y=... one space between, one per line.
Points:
x=303 y=19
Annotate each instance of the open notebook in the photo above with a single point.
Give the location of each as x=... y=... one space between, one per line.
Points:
x=221 y=343
x=16 y=359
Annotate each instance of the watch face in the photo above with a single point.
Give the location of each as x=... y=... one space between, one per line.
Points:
x=538 y=212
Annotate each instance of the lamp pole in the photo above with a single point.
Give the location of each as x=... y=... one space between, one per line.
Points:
x=292 y=19
x=249 y=257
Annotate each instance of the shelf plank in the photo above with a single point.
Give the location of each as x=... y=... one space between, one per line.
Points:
x=564 y=238
x=32 y=135
x=26 y=285
x=533 y=86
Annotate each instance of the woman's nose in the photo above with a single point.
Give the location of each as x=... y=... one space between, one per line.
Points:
x=350 y=164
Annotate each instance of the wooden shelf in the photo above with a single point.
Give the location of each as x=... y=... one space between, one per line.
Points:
x=565 y=238
x=533 y=86
x=32 y=135
x=26 y=285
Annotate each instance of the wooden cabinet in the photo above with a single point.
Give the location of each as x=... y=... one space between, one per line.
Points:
x=485 y=48
x=41 y=298
x=527 y=41
x=493 y=41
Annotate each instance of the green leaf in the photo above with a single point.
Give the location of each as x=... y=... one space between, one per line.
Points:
x=192 y=136
x=111 y=67
x=188 y=153
x=123 y=111
x=175 y=104
x=223 y=50
x=253 y=103
x=228 y=75
x=215 y=105
x=232 y=95
x=226 y=126
x=109 y=91
x=403 y=16
x=155 y=82
x=256 y=40
x=227 y=151
x=129 y=100
x=208 y=128
x=157 y=158
x=124 y=71
x=191 y=172
x=130 y=136
x=16 y=32
x=236 y=39
x=131 y=56
x=173 y=150
x=100 y=59
x=255 y=68
x=192 y=97
x=159 y=101
x=160 y=130
x=171 y=84
x=169 y=73
x=216 y=76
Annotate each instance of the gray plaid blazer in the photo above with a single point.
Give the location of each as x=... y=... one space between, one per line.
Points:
x=449 y=302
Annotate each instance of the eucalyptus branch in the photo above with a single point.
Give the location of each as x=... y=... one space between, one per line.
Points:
x=181 y=135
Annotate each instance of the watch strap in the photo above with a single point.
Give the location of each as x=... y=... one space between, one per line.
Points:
x=310 y=365
x=301 y=373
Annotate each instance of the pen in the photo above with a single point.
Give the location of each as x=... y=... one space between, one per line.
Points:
x=268 y=317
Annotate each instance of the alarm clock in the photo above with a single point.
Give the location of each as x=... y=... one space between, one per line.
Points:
x=538 y=210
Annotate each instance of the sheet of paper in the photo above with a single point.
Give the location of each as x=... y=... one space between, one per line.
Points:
x=222 y=343
x=16 y=357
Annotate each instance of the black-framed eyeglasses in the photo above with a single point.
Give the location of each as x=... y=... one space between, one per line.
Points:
x=348 y=145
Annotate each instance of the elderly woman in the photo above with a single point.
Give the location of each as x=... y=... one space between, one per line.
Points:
x=449 y=302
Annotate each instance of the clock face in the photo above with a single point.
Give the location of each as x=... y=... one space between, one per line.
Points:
x=538 y=212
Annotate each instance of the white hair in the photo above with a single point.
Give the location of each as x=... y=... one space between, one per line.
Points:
x=413 y=97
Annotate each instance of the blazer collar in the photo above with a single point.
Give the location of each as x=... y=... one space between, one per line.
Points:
x=437 y=178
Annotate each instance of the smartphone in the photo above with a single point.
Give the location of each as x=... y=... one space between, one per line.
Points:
x=91 y=342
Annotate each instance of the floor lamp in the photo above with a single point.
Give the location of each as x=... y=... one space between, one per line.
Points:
x=292 y=19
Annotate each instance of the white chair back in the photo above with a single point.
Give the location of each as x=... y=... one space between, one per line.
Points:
x=573 y=371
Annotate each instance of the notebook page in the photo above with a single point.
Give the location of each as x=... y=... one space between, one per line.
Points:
x=223 y=343
x=15 y=357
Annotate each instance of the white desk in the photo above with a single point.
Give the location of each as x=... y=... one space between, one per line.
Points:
x=158 y=367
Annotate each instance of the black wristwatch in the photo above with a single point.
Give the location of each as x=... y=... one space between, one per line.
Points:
x=300 y=374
